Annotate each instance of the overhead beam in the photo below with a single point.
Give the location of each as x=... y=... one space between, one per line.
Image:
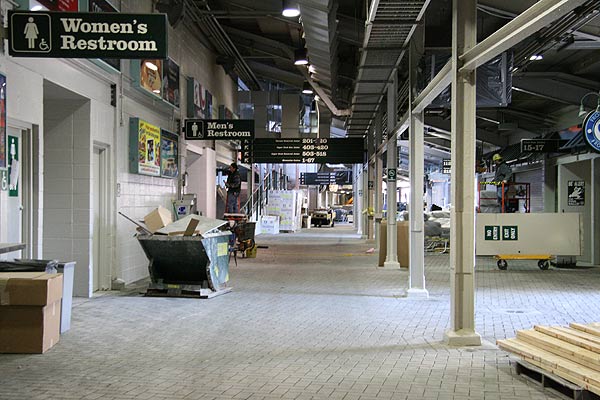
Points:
x=438 y=84
x=523 y=26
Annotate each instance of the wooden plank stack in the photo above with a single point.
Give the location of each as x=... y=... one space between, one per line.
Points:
x=571 y=353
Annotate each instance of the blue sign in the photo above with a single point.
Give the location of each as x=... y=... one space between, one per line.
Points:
x=591 y=130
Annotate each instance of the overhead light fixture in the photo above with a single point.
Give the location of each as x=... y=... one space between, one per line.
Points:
x=312 y=69
x=290 y=8
x=536 y=57
x=37 y=8
x=300 y=57
x=151 y=65
x=582 y=111
x=307 y=89
x=157 y=91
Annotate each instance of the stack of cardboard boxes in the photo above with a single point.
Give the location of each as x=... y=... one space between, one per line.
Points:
x=30 y=304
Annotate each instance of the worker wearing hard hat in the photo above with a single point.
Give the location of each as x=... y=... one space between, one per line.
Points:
x=503 y=175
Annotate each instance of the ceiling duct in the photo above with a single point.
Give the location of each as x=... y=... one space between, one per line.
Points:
x=389 y=27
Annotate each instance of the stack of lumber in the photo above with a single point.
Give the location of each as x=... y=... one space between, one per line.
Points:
x=571 y=353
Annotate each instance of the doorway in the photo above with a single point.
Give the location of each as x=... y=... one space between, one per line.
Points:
x=100 y=257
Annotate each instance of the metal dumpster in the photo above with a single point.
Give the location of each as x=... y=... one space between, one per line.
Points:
x=187 y=266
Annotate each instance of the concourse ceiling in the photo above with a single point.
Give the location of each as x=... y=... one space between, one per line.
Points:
x=355 y=46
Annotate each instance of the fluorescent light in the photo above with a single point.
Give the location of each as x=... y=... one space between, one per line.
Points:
x=300 y=57
x=307 y=89
x=290 y=9
x=536 y=57
x=36 y=8
x=157 y=91
x=151 y=65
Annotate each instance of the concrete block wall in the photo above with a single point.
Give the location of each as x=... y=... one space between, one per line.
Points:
x=67 y=181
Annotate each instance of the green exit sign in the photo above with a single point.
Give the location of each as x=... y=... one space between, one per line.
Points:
x=492 y=232
x=510 y=232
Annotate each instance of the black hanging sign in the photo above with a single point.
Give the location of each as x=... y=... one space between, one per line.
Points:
x=309 y=150
x=87 y=35
x=219 y=129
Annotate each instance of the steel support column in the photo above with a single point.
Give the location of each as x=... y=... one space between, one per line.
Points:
x=462 y=234
x=391 y=260
x=416 y=281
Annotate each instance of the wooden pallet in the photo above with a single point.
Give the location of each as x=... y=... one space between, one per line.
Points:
x=552 y=381
x=572 y=353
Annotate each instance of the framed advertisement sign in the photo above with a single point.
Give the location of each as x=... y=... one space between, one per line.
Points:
x=151 y=76
x=169 y=154
x=2 y=121
x=144 y=148
x=170 y=82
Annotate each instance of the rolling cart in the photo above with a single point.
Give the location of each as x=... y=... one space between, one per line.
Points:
x=543 y=259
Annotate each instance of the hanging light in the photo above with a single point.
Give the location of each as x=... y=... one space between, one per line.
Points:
x=536 y=57
x=307 y=89
x=290 y=9
x=151 y=65
x=582 y=111
x=300 y=57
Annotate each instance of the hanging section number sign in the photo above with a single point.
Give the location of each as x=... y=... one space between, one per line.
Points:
x=309 y=150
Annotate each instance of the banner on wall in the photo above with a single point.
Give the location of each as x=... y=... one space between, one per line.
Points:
x=60 y=5
x=2 y=121
x=170 y=82
x=169 y=154
x=144 y=148
x=13 y=166
x=576 y=193
x=196 y=99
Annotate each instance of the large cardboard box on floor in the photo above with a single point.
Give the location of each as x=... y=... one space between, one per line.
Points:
x=158 y=218
x=29 y=311
x=402 y=228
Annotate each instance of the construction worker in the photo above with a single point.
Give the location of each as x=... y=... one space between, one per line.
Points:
x=501 y=178
x=234 y=185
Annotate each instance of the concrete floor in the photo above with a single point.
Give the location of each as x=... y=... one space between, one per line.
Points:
x=310 y=318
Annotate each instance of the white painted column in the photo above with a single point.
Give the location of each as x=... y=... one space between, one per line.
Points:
x=462 y=214
x=391 y=260
x=416 y=281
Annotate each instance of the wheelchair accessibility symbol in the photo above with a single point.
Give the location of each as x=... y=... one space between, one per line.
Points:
x=30 y=32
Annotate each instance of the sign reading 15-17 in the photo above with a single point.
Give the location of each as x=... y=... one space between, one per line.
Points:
x=87 y=35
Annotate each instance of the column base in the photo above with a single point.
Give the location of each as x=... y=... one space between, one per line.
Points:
x=391 y=265
x=462 y=338
x=417 y=293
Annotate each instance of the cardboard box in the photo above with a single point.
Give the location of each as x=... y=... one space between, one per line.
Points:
x=402 y=240
x=29 y=329
x=30 y=288
x=158 y=218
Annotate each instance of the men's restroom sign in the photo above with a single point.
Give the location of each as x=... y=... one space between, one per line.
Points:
x=36 y=37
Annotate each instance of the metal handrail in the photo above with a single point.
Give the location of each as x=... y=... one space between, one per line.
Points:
x=260 y=197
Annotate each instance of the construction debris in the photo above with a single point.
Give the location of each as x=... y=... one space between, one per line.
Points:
x=572 y=353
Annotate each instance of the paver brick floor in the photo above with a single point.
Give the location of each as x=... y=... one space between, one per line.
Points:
x=310 y=318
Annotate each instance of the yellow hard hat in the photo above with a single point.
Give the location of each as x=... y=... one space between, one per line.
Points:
x=497 y=157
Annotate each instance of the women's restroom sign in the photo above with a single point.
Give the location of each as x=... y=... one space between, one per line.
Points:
x=576 y=193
